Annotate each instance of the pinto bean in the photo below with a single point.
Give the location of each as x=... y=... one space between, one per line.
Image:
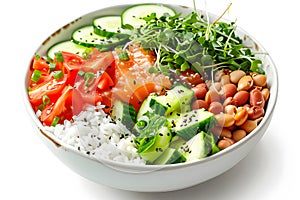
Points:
x=255 y=112
x=257 y=98
x=200 y=104
x=241 y=97
x=228 y=90
x=215 y=86
x=215 y=107
x=266 y=93
x=239 y=134
x=230 y=109
x=225 y=79
x=200 y=90
x=212 y=96
x=225 y=133
x=245 y=83
x=259 y=80
x=225 y=143
x=225 y=120
x=241 y=116
x=250 y=125
x=229 y=101
x=236 y=75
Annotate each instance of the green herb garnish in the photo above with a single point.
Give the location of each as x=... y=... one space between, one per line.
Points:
x=89 y=78
x=36 y=75
x=59 y=57
x=58 y=75
x=123 y=56
x=191 y=42
x=55 y=121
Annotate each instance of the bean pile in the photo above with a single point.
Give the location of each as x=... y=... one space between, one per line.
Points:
x=238 y=101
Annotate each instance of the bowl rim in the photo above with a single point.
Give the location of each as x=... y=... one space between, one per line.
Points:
x=120 y=165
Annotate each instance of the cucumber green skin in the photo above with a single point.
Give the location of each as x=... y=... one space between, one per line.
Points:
x=109 y=34
x=177 y=141
x=103 y=33
x=105 y=45
x=211 y=144
x=170 y=156
x=145 y=107
x=127 y=116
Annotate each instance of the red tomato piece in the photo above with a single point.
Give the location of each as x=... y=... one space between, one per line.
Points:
x=98 y=61
x=62 y=108
x=51 y=88
x=105 y=82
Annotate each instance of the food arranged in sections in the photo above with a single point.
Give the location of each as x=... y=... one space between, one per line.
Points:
x=184 y=89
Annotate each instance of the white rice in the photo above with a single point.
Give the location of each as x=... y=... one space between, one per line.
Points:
x=94 y=133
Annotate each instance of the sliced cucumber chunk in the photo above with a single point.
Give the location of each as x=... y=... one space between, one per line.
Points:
x=145 y=107
x=125 y=113
x=133 y=15
x=176 y=142
x=170 y=156
x=194 y=149
x=108 y=26
x=87 y=37
x=67 y=46
x=190 y=123
x=159 y=143
x=177 y=99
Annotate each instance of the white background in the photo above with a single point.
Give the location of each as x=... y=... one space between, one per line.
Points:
x=28 y=170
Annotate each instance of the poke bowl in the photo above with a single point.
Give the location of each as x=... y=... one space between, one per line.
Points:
x=150 y=97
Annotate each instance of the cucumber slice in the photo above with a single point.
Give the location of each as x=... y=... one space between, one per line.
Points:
x=125 y=113
x=170 y=156
x=67 y=46
x=190 y=123
x=133 y=15
x=177 y=99
x=86 y=36
x=194 y=149
x=159 y=144
x=107 y=26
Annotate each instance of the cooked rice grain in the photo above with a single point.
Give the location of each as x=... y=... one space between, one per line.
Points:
x=94 y=133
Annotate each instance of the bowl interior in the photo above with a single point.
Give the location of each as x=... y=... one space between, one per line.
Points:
x=65 y=32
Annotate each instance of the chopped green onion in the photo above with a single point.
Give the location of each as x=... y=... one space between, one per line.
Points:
x=59 y=57
x=123 y=56
x=29 y=89
x=52 y=66
x=49 y=60
x=141 y=124
x=81 y=73
x=36 y=75
x=58 y=75
x=89 y=78
x=41 y=106
x=37 y=57
x=55 y=121
x=46 y=99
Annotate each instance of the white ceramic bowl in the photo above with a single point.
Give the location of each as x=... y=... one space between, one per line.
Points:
x=151 y=178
